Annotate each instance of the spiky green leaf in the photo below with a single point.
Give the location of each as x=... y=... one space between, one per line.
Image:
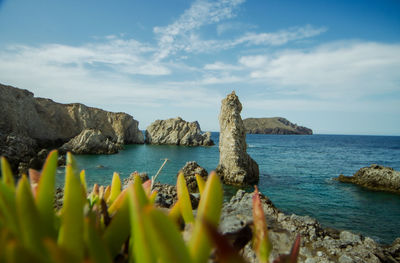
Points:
x=170 y=245
x=45 y=193
x=185 y=204
x=71 y=231
x=209 y=209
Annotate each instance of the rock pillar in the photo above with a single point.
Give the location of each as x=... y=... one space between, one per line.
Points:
x=235 y=166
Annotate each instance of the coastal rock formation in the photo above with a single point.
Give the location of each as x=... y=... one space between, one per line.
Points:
x=50 y=124
x=318 y=244
x=189 y=172
x=91 y=141
x=375 y=177
x=277 y=125
x=176 y=131
x=235 y=165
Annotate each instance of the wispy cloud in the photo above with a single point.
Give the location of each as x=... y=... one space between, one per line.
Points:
x=178 y=35
x=281 y=37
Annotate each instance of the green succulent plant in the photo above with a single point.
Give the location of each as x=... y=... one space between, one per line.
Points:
x=115 y=225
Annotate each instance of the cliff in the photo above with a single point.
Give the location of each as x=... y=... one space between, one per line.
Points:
x=176 y=131
x=50 y=124
x=276 y=125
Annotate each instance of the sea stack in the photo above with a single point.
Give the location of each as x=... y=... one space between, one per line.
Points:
x=176 y=131
x=235 y=166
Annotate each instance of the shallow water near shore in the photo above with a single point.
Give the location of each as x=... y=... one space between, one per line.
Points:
x=295 y=173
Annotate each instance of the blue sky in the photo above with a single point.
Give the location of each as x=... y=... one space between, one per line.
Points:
x=333 y=66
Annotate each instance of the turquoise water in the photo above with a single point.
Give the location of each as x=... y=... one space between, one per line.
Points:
x=295 y=173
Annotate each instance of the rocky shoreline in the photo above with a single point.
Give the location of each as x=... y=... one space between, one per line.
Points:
x=375 y=177
x=318 y=244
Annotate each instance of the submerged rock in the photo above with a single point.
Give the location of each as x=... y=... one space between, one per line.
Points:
x=235 y=166
x=375 y=177
x=177 y=131
x=189 y=172
x=318 y=244
x=91 y=141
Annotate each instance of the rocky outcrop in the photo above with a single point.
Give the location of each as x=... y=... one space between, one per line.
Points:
x=50 y=124
x=235 y=165
x=277 y=125
x=375 y=177
x=167 y=196
x=189 y=172
x=176 y=131
x=318 y=244
x=91 y=141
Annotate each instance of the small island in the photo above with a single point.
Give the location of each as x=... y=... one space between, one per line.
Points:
x=275 y=125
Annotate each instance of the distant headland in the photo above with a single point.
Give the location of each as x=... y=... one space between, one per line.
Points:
x=276 y=125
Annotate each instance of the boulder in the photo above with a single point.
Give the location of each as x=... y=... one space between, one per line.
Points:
x=235 y=166
x=189 y=172
x=318 y=244
x=91 y=141
x=143 y=176
x=167 y=196
x=176 y=131
x=375 y=177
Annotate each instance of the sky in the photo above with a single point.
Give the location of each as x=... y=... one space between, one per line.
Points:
x=332 y=66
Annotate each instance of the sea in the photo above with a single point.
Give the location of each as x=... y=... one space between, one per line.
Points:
x=296 y=173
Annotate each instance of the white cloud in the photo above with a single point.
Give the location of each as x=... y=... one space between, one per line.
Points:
x=345 y=69
x=220 y=66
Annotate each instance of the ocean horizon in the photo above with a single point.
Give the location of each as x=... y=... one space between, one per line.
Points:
x=296 y=173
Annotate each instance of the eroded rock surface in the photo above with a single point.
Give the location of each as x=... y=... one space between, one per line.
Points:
x=177 y=131
x=318 y=244
x=91 y=141
x=375 y=177
x=235 y=166
x=189 y=172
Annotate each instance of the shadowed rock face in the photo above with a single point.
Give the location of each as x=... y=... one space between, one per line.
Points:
x=375 y=177
x=176 y=131
x=235 y=166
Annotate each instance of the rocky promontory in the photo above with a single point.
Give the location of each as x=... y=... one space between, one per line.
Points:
x=235 y=166
x=176 y=131
x=375 y=177
x=276 y=125
x=43 y=123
